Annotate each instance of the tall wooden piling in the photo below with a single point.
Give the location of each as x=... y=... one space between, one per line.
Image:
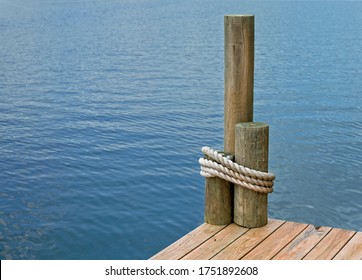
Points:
x=239 y=75
x=251 y=150
x=238 y=107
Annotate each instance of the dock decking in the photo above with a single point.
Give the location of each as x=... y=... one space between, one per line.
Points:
x=278 y=240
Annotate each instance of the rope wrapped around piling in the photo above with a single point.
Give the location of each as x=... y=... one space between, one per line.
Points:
x=218 y=165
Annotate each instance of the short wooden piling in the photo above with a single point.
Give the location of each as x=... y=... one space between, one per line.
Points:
x=238 y=107
x=251 y=150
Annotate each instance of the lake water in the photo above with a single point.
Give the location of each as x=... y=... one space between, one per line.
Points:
x=104 y=106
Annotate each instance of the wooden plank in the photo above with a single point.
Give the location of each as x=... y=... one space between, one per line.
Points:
x=245 y=243
x=330 y=245
x=303 y=243
x=272 y=245
x=187 y=243
x=277 y=240
x=352 y=250
x=215 y=244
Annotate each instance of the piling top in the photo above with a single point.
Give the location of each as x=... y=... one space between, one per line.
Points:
x=237 y=18
x=239 y=15
x=252 y=125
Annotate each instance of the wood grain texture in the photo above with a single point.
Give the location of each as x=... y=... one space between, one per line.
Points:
x=187 y=243
x=251 y=150
x=248 y=241
x=330 y=245
x=303 y=243
x=217 y=243
x=275 y=242
x=238 y=106
x=239 y=75
x=352 y=250
x=218 y=201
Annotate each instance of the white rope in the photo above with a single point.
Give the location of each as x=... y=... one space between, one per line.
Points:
x=218 y=165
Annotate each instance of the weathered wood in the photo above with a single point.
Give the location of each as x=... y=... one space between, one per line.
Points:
x=352 y=250
x=251 y=150
x=238 y=107
x=248 y=241
x=275 y=242
x=239 y=75
x=303 y=243
x=330 y=245
x=187 y=243
x=217 y=243
x=218 y=201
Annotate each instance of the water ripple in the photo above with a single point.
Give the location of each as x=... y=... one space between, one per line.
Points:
x=104 y=107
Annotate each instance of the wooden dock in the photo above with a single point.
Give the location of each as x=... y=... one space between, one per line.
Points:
x=236 y=217
x=278 y=240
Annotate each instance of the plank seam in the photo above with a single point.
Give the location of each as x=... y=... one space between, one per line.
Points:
x=289 y=242
x=188 y=235
x=229 y=244
x=315 y=245
x=344 y=245
x=260 y=241
x=203 y=242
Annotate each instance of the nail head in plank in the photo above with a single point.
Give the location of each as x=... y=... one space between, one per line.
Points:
x=215 y=244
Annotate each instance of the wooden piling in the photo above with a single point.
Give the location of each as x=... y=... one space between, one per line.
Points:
x=251 y=150
x=238 y=107
x=218 y=202
x=239 y=75
x=249 y=142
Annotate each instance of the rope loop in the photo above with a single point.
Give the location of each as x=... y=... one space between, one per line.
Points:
x=215 y=164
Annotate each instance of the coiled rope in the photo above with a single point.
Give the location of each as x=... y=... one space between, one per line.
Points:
x=218 y=165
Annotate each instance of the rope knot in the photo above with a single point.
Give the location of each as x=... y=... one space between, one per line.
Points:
x=218 y=165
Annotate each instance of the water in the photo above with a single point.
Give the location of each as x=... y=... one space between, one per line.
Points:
x=104 y=106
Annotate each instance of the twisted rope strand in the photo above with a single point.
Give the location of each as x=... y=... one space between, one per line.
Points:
x=215 y=155
x=256 y=188
x=219 y=166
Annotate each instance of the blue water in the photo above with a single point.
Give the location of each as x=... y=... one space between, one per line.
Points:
x=104 y=106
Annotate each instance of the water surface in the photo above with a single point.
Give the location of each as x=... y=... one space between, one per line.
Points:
x=104 y=106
